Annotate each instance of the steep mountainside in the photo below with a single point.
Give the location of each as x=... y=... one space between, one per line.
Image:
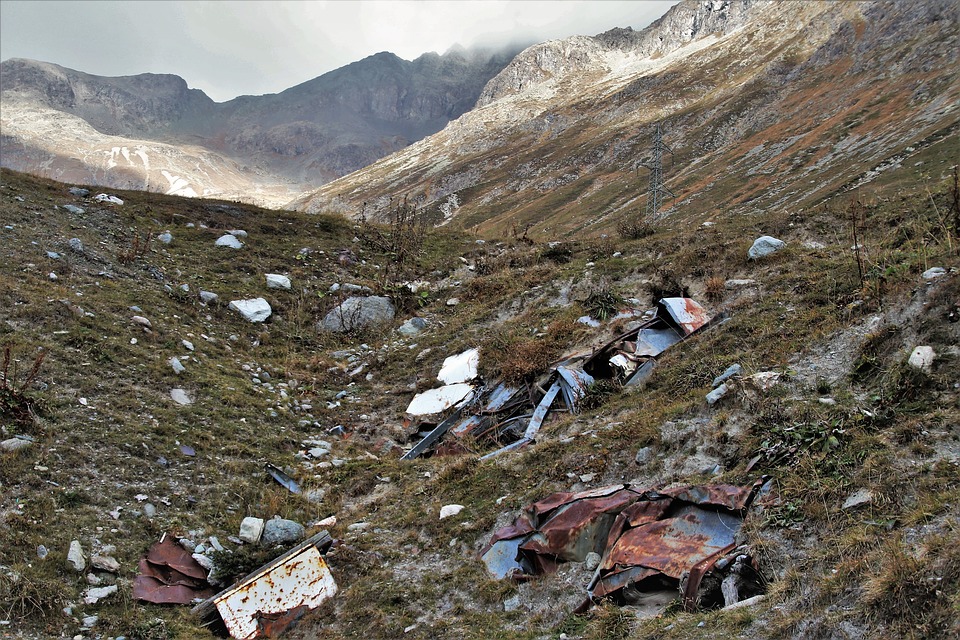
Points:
x=152 y=132
x=764 y=104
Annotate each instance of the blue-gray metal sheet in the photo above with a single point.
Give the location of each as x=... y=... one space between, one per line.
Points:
x=501 y=559
x=574 y=384
x=433 y=436
x=541 y=411
x=652 y=342
x=513 y=446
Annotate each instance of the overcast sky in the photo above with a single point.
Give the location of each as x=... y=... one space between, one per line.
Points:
x=230 y=48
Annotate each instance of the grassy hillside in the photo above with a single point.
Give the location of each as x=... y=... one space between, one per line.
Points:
x=837 y=324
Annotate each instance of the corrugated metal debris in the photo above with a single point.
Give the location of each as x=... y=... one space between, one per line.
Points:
x=272 y=598
x=169 y=575
x=511 y=416
x=648 y=539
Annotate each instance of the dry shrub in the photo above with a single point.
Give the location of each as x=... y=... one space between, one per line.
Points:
x=714 y=288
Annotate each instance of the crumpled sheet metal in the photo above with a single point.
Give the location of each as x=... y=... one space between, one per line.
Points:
x=460 y=368
x=169 y=575
x=641 y=534
x=687 y=313
x=439 y=400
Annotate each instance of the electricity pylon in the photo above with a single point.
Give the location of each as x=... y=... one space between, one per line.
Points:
x=657 y=189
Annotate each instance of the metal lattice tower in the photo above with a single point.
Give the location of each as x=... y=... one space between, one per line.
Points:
x=658 y=190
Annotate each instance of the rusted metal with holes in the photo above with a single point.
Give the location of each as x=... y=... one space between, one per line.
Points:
x=267 y=601
x=686 y=313
x=719 y=495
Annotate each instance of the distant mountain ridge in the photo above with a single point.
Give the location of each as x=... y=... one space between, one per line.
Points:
x=765 y=105
x=71 y=125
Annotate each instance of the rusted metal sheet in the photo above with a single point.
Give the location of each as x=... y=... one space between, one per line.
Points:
x=169 y=575
x=647 y=538
x=270 y=599
x=687 y=313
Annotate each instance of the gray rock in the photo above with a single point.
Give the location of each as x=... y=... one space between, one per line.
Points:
x=858 y=498
x=592 y=561
x=95 y=594
x=165 y=237
x=181 y=397
x=142 y=321
x=187 y=345
x=254 y=310
x=412 y=327
x=512 y=603
x=251 y=529
x=714 y=396
x=79 y=192
x=452 y=302
x=922 y=358
x=53 y=255
x=733 y=284
x=149 y=510
x=178 y=368
x=206 y=297
x=644 y=455
x=238 y=233
x=933 y=273
x=358 y=312
x=74 y=209
x=15 y=444
x=42 y=551
x=280 y=531
x=75 y=245
x=75 y=558
x=732 y=370
x=228 y=241
x=105 y=563
x=277 y=281
x=764 y=246
x=89 y=621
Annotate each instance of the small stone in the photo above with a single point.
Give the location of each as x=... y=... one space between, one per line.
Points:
x=764 y=246
x=142 y=321
x=731 y=371
x=512 y=603
x=252 y=310
x=228 y=241
x=587 y=477
x=203 y=561
x=93 y=580
x=165 y=237
x=329 y=521
x=251 y=529
x=52 y=276
x=277 y=281
x=15 y=444
x=42 y=552
x=178 y=368
x=827 y=401
x=765 y=380
x=358 y=526
x=238 y=233
x=149 y=510
x=922 y=358
x=933 y=273
x=644 y=455
x=74 y=209
x=206 y=297
x=280 y=531
x=412 y=327
x=714 y=396
x=105 y=563
x=75 y=245
x=53 y=255
x=181 y=397
x=95 y=594
x=75 y=558
x=450 y=510
x=452 y=302
x=592 y=561
x=89 y=621
x=858 y=498
x=187 y=345
x=80 y=192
